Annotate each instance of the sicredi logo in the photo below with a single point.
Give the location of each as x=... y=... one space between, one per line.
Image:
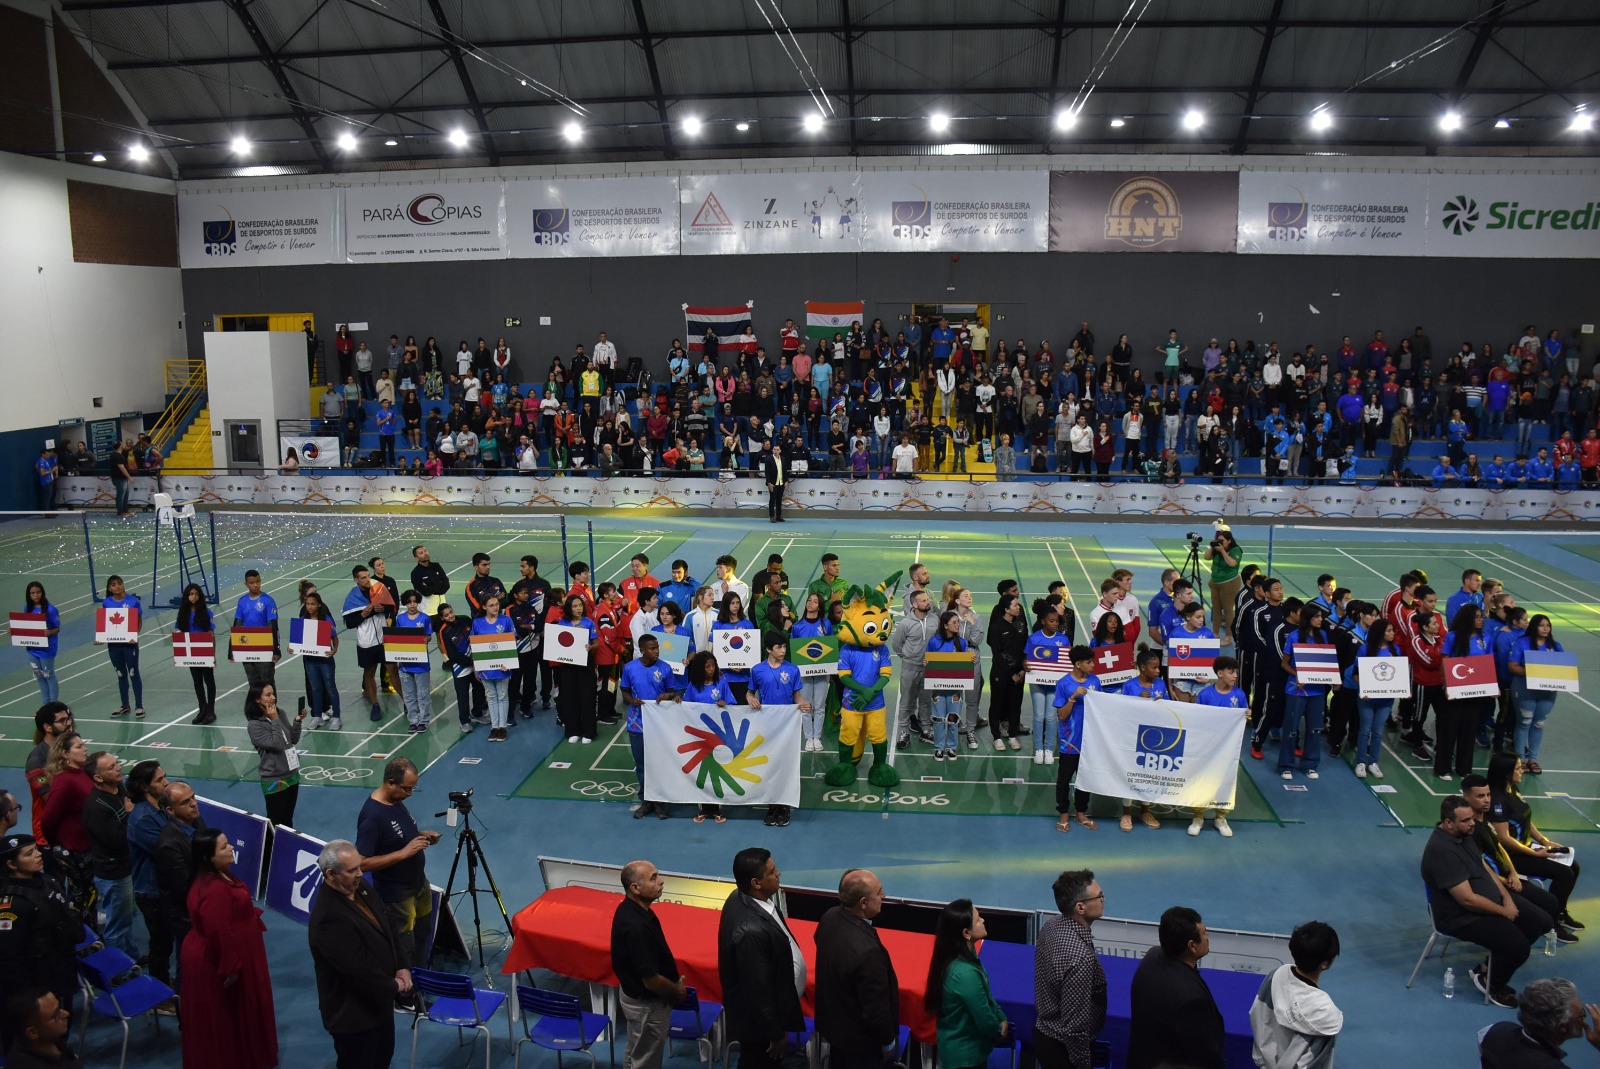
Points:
x=1460 y=216
x=551 y=226
x=220 y=237
x=1158 y=749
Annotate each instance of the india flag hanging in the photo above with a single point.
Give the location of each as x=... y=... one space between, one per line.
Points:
x=824 y=319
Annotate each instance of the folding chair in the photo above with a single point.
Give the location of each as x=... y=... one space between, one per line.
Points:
x=805 y=1039
x=454 y=1001
x=561 y=1025
x=125 y=993
x=1434 y=936
x=694 y=1019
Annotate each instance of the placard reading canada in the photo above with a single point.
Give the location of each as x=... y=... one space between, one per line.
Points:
x=1333 y=213
x=956 y=211
x=437 y=221
x=256 y=228
x=1143 y=211
x=592 y=217
x=770 y=213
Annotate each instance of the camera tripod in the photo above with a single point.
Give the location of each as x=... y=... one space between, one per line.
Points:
x=1190 y=569
x=468 y=846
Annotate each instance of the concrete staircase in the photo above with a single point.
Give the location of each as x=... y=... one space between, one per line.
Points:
x=192 y=453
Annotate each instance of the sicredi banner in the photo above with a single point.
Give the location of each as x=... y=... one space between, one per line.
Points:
x=555 y=218
x=1514 y=215
x=956 y=211
x=257 y=228
x=435 y=221
x=1332 y=213
x=770 y=213
x=1142 y=211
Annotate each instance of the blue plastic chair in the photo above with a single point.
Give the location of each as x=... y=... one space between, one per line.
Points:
x=134 y=996
x=453 y=1001
x=1434 y=936
x=694 y=1019
x=558 y=1022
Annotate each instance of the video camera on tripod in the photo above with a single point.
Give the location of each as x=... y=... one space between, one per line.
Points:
x=460 y=804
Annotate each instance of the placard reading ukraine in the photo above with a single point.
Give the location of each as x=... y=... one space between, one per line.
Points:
x=698 y=753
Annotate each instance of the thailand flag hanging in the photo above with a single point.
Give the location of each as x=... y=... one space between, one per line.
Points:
x=729 y=323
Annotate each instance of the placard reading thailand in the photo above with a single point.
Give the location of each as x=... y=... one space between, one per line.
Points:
x=1142 y=211
x=437 y=221
x=1334 y=212
x=592 y=217
x=257 y=228
x=770 y=213
x=955 y=211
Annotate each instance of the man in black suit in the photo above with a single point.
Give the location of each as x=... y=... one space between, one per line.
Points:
x=356 y=955
x=857 y=997
x=762 y=970
x=1174 y=1017
x=775 y=470
x=174 y=855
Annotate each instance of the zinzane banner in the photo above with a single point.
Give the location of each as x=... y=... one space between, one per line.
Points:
x=436 y=221
x=955 y=211
x=705 y=754
x=1141 y=211
x=1333 y=213
x=592 y=217
x=1160 y=751
x=770 y=213
x=257 y=228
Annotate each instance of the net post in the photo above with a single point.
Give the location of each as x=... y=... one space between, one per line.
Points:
x=593 y=560
x=566 y=561
x=216 y=581
x=88 y=550
x=1271 y=529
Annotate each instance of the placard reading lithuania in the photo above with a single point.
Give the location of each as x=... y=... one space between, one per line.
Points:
x=1335 y=213
x=955 y=211
x=593 y=217
x=256 y=228
x=438 y=221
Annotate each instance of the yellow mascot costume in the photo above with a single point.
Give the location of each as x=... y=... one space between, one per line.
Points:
x=864 y=672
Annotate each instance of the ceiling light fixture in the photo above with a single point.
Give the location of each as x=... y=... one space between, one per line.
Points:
x=347 y=141
x=1321 y=120
x=572 y=132
x=1502 y=124
x=1582 y=122
x=1193 y=119
x=741 y=127
x=1450 y=122
x=1066 y=119
x=458 y=137
x=813 y=122
x=1117 y=124
x=391 y=142
x=939 y=122
x=240 y=145
x=98 y=157
x=692 y=126
x=138 y=153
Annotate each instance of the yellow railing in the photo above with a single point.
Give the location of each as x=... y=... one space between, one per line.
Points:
x=186 y=381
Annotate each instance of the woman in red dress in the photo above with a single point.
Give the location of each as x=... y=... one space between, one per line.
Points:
x=226 y=1012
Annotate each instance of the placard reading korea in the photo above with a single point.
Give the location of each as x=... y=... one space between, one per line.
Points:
x=436 y=221
x=592 y=217
x=256 y=228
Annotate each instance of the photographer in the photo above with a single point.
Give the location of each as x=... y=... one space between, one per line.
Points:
x=1225 y=556
x=391 y=849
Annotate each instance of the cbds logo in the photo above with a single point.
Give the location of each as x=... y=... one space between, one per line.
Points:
x=220 y=237
x=551 y=226
x=911 y=220
x=1287 y=220
x=1158 y=749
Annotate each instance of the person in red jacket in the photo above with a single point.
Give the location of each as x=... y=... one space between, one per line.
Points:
x=611 y=622
x=1589 y=457
x=1422 y=645
x=70 y=787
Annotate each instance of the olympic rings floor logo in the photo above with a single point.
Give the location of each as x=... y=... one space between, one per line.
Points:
x=318 y=774
x=609 y=789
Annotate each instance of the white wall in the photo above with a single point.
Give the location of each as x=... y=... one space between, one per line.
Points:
x=255 y=375
x=75 y=331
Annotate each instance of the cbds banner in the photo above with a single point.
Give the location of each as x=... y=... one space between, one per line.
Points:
x=257 y=228
x=955 y=211
x=1140 y=211
x=436 y=221
x=1333 y=212
x=592 y=217
x=1160 y=751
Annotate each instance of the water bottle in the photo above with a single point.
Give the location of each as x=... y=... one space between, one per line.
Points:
x=1449 y=983
x=1550 y=944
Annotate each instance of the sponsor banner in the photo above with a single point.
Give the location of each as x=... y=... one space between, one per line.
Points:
x=698 y=753
x=553 y=218
x=1139 y=211
x=248 y=834
x=433 y=221
x=1158 y=751
x=1334 y=213
x=257 y=228
x=1543 y=215
x=1549 y=670
x=956 y=211
x=1383 y=677
x=313 y=452
x=770 y=213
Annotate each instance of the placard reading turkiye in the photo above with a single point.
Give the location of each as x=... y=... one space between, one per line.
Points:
x=257 y=228
x=592 y=217
x=436 y=221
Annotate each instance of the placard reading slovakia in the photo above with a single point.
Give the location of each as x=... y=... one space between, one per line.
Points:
x=437 y=221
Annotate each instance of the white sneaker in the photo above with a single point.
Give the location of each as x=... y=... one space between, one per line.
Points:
x=1361 y=771
x=572 y=738
x=336 y=724
x=1223 y=828
x=1038 y=757
x=1287 y=775
x=1013 y=743
x=999 y=744
x=1196 y=825
x=587 y=741
x=1312 y=774
x=1049 y=757
x=1374 y=771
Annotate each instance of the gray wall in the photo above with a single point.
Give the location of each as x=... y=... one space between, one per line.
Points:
x=1040 y=295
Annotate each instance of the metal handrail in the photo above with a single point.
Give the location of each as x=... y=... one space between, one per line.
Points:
x=188 y=396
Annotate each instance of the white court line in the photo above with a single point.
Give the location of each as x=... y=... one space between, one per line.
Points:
x=1509 y=563
x=1364 y=564
x=1082 y=568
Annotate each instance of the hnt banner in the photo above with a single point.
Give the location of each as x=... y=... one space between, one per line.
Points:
x=705 y=754
x=1134 y=211
x=1160 y=751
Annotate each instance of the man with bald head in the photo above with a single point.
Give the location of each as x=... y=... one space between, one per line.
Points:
x=646 y=970
x=858 y=996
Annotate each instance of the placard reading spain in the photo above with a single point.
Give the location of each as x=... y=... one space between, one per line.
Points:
x=592 y=217
x=437 y=221
x=256 y=228
x=1143 y=211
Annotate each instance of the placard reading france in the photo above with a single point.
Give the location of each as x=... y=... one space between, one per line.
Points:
x=592 y=217
x=257 y=228
x=438 y=221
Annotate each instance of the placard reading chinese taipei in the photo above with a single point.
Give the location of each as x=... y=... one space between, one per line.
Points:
x=770 y=213
x=437 y=221
x=1333 y=213
x=1541 y=215
x=955 y=211
x=1141 y=211
x=257 y=228
x=592 y=217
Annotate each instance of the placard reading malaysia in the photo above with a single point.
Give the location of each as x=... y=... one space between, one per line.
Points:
x=1335 y=212
x=770 y=213
x=438 y=221
x=592 y=217
x=1141 y=211
x=256 y=228
x=955 y=211
x=1539 y=215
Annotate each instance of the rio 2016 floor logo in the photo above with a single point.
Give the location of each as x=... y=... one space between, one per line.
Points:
x=723 y=775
